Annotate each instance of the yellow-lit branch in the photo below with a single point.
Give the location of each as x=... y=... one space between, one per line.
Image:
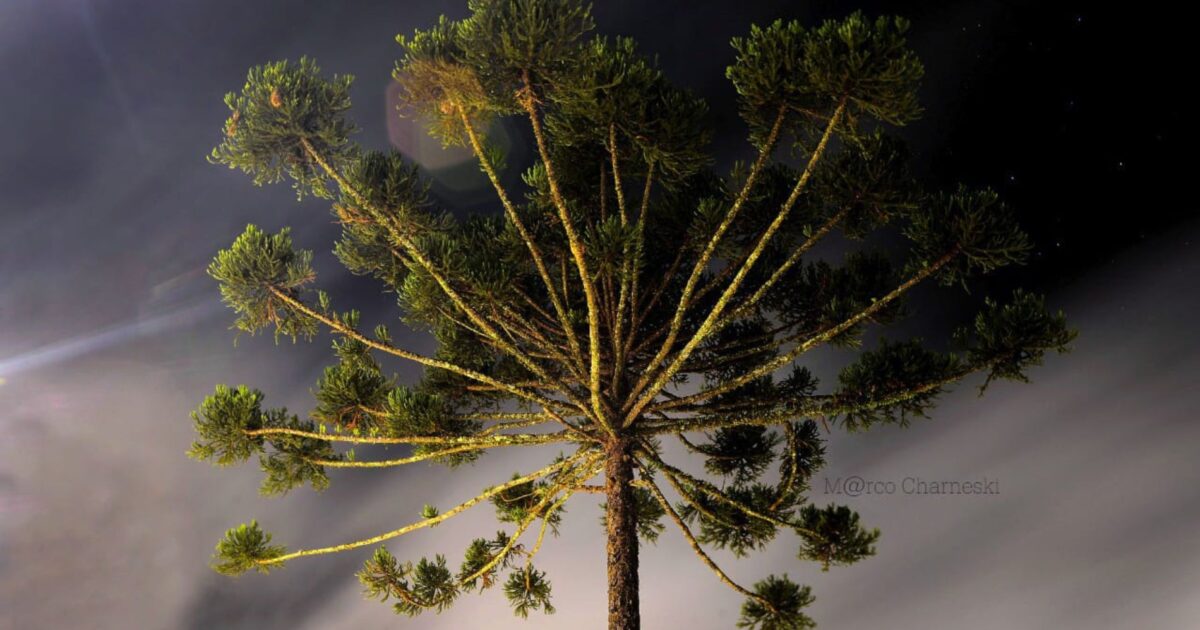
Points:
x=425 y=522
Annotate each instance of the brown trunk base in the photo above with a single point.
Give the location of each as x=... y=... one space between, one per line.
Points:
x=623 y=613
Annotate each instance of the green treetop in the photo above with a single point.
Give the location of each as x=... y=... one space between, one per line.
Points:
x=628 y=293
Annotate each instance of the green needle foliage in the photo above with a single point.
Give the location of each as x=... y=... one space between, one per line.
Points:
x=779 y=607
x=628 y=292
x=527 y=590
x=243 y=548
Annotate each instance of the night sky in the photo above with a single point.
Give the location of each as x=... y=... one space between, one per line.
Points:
x=111 y=333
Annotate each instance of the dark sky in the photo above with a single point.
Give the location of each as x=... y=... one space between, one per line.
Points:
x=110 y=333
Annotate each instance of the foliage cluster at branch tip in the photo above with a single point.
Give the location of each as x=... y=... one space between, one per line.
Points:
x=229 y=423
x=246 y=547
x=777 y=606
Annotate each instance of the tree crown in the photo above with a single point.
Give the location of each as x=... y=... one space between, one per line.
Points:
x=631 y=293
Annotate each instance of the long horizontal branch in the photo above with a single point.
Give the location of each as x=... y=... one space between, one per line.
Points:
x=517 y=439
x=516 y=424
x=421 y=457
x=465 y=505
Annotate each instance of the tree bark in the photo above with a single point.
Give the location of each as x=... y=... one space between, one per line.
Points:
x=623 y=613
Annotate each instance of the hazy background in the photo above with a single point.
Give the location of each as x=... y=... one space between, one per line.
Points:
x=110 y=333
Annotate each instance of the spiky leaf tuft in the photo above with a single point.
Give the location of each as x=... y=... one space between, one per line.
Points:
x=832 y=536
x=250 y=273
x=778 y=606
x=282 y=106
x=980 y=230
x=222 y=421
x=528 y=591
x=1009 y=338
x=246 y=547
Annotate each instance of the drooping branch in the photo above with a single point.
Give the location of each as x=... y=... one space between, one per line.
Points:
x=589 y=469
x=428 y=522
x=699 y=551
x=678 y=475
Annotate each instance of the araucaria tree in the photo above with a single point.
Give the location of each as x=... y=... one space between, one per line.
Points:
x=627 y=294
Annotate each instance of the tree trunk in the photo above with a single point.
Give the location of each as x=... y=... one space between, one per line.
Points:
x=622 y=539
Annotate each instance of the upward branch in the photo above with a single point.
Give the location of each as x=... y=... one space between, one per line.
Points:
x=534 y=252
x=527 y=101
x=551 y=407
x=417 y=255
x=709 y=249
x=707 y=327
x=813 y=341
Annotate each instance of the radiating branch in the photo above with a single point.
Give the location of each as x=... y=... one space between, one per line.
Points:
x=574 y=243
x=706 y=256
x=707 y=327
x=465 y=505
x=343 y=329
x=474 y=441
x=704 y=557
x=427 y=265
x=783 y=268
x=534 y=252
x=814 y=341
x=821 y=407
x=534 y=512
